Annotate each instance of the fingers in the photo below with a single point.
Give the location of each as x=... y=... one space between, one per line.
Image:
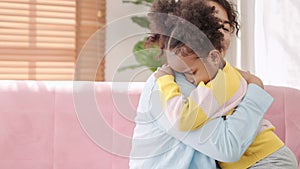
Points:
x=167 y=69
x=163 y=70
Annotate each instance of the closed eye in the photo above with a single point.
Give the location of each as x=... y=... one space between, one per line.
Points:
x=226 y=26
x=225 y=29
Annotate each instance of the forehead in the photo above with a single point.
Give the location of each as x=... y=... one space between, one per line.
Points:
x=182 y=63
x=220 y=11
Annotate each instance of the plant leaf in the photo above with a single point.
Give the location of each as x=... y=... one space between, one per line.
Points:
x=129 y=67
x=148 y=56
x=142 y=21
x=139 y=2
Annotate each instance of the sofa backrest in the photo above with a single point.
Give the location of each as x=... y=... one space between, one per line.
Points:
x=67 y=125
x=284 y=114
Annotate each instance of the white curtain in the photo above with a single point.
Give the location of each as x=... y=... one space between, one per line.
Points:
x=277 y=42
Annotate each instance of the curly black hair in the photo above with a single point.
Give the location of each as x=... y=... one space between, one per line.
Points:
x=230 y=9
x=185 y=26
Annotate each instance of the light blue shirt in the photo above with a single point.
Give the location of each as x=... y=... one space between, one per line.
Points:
x=157 y=145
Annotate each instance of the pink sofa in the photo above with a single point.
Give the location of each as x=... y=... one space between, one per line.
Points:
x=85 y=125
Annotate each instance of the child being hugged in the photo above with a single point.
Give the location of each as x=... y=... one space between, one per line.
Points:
x=220 y=86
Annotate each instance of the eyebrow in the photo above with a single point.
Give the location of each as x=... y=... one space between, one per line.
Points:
x=224 y=22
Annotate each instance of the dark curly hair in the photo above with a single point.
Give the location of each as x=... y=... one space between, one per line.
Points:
x=232 y=14
x=185 y=26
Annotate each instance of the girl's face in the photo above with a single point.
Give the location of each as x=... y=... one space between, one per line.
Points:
x=226 y=30
x=194 y=68
x=190 y=65
x=184 y=64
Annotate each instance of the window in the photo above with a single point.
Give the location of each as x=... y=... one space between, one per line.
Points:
x=41 y=39
x=277 y=42
x=269 y=41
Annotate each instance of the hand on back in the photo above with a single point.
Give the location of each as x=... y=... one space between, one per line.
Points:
x=250 y=78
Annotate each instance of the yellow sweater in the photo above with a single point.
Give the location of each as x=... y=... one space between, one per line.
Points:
x=223 y=93
x=266 y=143
x=217 y=98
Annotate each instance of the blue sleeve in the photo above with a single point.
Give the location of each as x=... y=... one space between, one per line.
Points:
x=226 y=139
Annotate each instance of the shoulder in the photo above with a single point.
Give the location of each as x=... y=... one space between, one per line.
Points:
x=149 y=88
x=149 y=85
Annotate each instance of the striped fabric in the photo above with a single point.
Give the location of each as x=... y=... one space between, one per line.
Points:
x=217 y=98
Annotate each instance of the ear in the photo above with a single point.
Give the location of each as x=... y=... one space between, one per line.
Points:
x=214 y=56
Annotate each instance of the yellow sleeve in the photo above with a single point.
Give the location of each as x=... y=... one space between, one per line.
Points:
x=177 y=107
x=168 y=87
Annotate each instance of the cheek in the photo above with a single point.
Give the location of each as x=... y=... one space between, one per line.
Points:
x=226 y=40
x=176 y=63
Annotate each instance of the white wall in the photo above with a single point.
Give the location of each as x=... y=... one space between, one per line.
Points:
x=121 y=35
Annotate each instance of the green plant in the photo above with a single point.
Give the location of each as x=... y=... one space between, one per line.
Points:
x=140 y=2
x=144 y=56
